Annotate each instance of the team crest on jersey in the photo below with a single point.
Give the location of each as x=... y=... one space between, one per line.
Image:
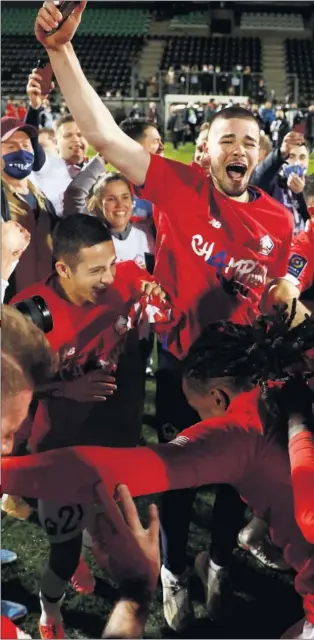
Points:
x=121 y=325
x=139 y=261
x=266 y=246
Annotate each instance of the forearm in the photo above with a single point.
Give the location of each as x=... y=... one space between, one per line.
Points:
x=76 y=195
x=94 y=119
x=301 y=452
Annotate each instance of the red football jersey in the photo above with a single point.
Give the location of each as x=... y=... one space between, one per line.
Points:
x=301 y=261
x=86 y=338
x=214 y=255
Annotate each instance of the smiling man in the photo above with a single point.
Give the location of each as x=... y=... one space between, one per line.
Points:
x=219 y=243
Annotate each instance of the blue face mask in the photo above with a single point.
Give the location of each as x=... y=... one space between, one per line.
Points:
x=18 y=164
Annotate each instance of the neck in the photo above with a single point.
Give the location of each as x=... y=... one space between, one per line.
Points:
x=19 y=185
x=68 y=293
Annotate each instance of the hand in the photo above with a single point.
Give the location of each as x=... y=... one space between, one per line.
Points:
x=33 y=89
x=92 y=387
x=152 y=289
x=131 y=552
x=21 y=635
x=295 y=183
x=292 y=139
x=48 y=18
x=15 y=239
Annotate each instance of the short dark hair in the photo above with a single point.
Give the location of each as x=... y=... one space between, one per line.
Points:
x=75 y=233
x=63 y=120
x=135 y=127
x=234 y=112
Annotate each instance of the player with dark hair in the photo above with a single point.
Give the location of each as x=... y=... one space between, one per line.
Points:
x=241 y=440
x=220 y=242
x=145 y=133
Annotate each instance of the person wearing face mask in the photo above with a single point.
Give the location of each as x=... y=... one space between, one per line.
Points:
x=22 y=202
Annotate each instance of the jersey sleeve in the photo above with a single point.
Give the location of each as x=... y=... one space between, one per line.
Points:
x=301 y=451
x=301 y=262
x=212 y=456
x=164 y=180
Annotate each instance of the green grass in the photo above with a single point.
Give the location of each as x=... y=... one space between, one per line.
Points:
x=263 y=603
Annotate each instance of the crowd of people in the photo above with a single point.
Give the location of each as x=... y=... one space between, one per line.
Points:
x=215 y=260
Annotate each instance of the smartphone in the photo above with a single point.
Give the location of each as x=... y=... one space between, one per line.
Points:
x=46 y=74
x=66 y=8
x=294 y=168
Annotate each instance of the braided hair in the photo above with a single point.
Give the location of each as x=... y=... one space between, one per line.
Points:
x=265 y=351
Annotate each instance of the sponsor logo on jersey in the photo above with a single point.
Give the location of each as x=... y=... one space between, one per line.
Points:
x=215 y=223
x=266 y=246
x=296 y=265
x=181 y=441
x=121 y=325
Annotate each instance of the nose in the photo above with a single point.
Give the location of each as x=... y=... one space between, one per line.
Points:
x=107 y=278
x=238 y=150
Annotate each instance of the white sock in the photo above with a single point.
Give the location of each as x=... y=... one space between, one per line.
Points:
x=214 y=566
x=50 y=611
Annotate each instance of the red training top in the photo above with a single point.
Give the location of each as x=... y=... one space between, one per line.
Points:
x=230 y=449
x=213 y=254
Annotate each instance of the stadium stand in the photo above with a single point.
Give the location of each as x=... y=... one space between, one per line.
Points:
x=195 y=18
x=300 y=61
x=223 y=51
x=272 y=21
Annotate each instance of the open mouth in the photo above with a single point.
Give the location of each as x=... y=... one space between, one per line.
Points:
x=236 y=171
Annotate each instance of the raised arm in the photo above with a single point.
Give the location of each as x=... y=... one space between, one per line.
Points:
x=91 y=115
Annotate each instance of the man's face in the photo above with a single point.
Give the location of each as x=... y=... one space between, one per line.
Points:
x=17 y=142
x=299 y=155
x=152 y=142
x=49 y=144
x=95 y=271
x=14 y=412
x=233 y=146
x=117 y=204
x=71 y=144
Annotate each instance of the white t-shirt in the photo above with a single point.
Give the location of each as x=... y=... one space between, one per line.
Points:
x=134 y=246
x=53 y=179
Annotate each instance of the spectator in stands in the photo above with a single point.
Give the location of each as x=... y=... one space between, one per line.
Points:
x=46 y=119
x=207 y=79
x=261 y=93
x=247 y=81
x=176 y=126
x=282 y=176
x=267 y=114
x=309 y=127
x=170 y=80
x=294 y=115
x=210 y=110
x=47 y=139
x=190 y=119
x=194 y=80
x=279 y=129
x=153 y=115
x=21 y=110
x=10 y=109
x=23 y=202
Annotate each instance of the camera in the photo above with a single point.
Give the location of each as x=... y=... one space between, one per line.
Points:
x=36 y=309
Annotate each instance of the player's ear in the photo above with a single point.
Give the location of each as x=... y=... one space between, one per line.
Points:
x=221 y=399
x=62 y=269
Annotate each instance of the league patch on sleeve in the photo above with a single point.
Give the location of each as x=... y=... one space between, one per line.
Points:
x=296 y=265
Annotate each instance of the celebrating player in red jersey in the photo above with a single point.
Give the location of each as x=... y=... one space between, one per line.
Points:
x=239 y=441
x=93 y=303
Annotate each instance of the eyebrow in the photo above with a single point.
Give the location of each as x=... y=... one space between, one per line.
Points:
x=233 y=136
